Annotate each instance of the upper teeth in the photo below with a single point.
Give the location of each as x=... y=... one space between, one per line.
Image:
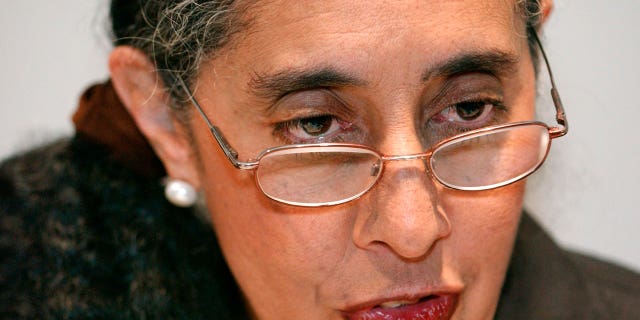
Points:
x=398 y=303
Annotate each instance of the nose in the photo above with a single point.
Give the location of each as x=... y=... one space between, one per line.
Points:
x=401 y=213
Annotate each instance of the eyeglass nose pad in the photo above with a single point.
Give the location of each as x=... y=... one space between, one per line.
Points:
x=375 y=169
x=425 y=161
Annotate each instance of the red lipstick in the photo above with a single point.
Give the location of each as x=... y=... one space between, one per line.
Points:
x=434 y=307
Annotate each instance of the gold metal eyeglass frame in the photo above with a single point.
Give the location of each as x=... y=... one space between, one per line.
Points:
x=554 y=132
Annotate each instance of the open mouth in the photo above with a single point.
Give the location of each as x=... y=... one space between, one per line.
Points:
x=402 y=303
x=432 y=307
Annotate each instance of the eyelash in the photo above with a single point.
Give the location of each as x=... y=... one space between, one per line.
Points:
x=440 y=129
x=283 y=129
x=496 y=105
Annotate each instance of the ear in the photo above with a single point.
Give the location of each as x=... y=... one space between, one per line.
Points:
x=144 y=95
x=546 y=7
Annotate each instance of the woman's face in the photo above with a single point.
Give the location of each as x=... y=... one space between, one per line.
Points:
x=394 y=75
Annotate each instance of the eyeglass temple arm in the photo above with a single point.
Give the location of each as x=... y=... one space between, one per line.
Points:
x=561 y=116
x=229 y=152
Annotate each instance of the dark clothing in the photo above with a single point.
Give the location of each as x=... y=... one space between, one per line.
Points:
x=85 y=233
x=547 y=282
x=82 y=237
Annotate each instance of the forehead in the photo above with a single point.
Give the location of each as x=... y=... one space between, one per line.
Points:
x=373 y=39
x=351 y=13
x=341 y=25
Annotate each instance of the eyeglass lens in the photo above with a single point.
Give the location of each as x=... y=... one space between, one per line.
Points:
x=318 y=174
x=314 y=175
x=485 y=161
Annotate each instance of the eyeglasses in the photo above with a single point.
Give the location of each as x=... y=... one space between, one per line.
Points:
x=326 y=174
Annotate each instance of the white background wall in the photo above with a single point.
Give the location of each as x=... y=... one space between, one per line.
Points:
x=586 y=193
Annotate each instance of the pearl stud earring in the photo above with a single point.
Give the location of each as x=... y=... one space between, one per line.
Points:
x=180 y=193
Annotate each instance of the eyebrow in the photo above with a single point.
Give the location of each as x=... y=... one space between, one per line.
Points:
x=494 y=62
x=275 y=85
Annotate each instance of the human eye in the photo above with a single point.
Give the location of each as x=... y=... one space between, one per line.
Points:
x=464 y=116
x=464 y=102
x=468 y=115
x=314 y=129
x=314 y=116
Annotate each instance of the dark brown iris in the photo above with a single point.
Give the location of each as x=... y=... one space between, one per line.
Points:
x=317 y=125
x=470 y=110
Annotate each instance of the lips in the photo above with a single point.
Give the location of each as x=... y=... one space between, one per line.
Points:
x=433 y=307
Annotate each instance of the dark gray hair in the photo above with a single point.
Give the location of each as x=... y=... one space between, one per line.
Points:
x=178 y=35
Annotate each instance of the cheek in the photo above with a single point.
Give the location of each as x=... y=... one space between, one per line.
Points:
x=271 y=249
x=481 y=242
x=485 y=223
x=302 y=246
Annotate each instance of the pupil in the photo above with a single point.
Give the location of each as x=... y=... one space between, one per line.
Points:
x=316 y=125
x=470 y=110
